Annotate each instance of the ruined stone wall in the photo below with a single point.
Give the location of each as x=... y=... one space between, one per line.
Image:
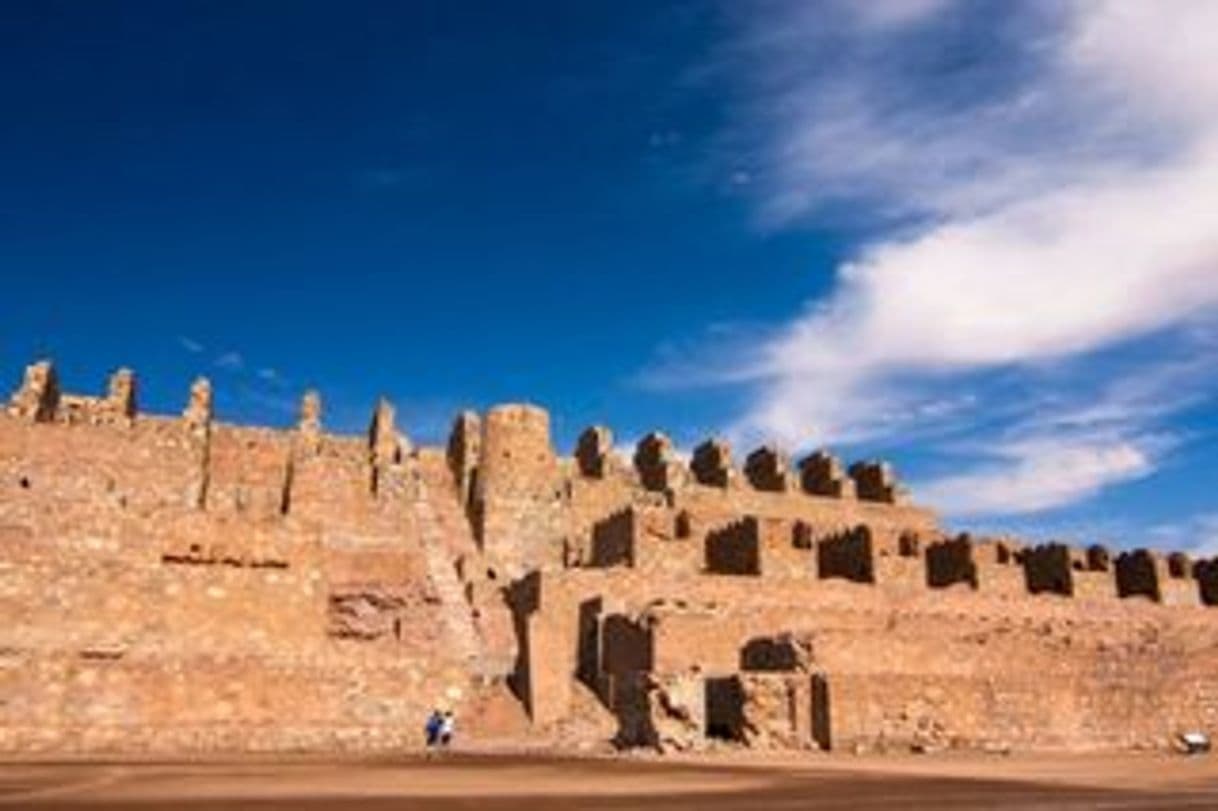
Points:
x=954 y=668
x=710 y=493
x=180 y=584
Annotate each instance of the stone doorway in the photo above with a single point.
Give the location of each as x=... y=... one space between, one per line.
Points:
x=724 y=709
x=820 y=712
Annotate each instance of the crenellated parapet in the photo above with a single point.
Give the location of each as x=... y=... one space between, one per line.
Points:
x=385 y=445
x=1170 y=579
x=1048 y=568
x=823 y=474
x=1092 y=573
x=711 y=463
x=37 y=399
x=768 y=469
x=1206 y=573
x=528 y=509
x=876 y=481
x=712 y=485
x=594 y=452
x=40 y=399
x=200 y=409
x=120 y=403
x=696 y=598
x=655 y=463
x=308 y=423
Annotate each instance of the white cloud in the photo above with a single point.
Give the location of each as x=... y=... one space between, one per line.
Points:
x=1050 y=206
x=1197 y=535
x=885 y=13
x=190 y=344
x=664 y=139
x=232 y=361
x=1033 y=476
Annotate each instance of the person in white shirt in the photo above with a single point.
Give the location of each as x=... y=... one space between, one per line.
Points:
x=447 y=728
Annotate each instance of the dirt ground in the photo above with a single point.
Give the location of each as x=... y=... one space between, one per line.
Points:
x=490 y=782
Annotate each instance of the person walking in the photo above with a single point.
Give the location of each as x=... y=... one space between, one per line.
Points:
x=448 y=726
x=432 y=729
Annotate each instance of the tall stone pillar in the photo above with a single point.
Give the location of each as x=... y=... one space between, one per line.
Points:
x=386 y=446
x=120 y=397
x=198 y=416
x=38 y=398
x=464 y=449
x=309 y=425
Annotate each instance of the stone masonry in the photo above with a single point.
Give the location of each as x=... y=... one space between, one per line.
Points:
x=178 y=584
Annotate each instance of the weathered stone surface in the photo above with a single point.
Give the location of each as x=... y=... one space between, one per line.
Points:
x=875 y=481
x=712 y=463
x=180 y=584
x=199 y=409
x=655 y=464
x=38 y=398
x=309 y=424
x=120 y=398
x=768 y=469
x=594 y=451
x=822 y=474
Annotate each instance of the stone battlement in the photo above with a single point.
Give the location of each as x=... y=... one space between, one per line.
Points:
x=295 y=588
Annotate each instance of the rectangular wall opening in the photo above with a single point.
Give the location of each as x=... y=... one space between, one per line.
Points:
x=735 y=550
x=820 y=712
x=724 y=709
x=588 y=650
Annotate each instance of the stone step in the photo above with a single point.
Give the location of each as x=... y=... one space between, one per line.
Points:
x=455 y=610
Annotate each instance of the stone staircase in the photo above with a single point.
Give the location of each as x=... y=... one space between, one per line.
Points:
x=475 y=618
x=442 y=572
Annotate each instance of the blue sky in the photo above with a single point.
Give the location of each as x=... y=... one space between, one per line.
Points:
x=977 y=238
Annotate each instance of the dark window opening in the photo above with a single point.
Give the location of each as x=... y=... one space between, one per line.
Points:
x=820 y=713
x=725 y=709
x=769 y=654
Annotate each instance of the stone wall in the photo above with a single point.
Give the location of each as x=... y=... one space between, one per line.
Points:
x=178 y=583
x=950 y=668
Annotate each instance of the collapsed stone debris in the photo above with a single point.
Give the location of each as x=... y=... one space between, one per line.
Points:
x=182 y=584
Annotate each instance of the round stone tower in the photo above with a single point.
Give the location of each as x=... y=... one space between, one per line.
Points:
x=518 y=491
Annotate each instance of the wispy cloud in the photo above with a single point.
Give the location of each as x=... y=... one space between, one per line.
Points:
x=190 y=345
x=1066 y=440
x=1044 y=178
x=664 y=139
x=1196 y=534
x=231 y=360
x=1036 y=475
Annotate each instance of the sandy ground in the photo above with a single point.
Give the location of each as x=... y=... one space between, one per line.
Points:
x=490 y=782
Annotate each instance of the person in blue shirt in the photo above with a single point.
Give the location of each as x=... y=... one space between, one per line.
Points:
x=432 y=728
